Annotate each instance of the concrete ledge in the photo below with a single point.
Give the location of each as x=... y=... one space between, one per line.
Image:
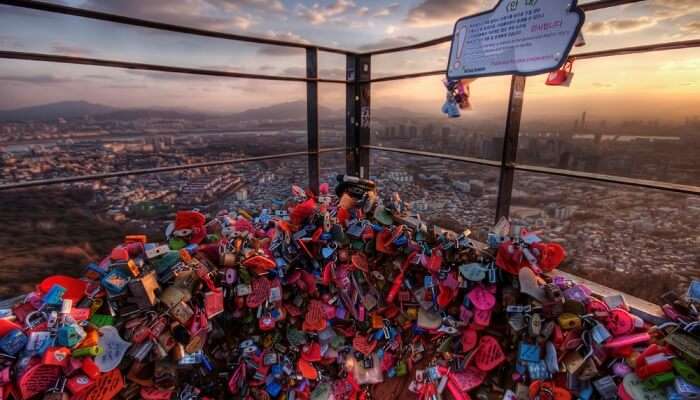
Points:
x=648 y=311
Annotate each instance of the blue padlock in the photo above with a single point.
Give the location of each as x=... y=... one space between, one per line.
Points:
x=538 y=371
x=54 y=297
x=70 y=335
x=272 y=387
x=686 y=390
x=115 y=281
x=13 y=342
x=400 y=241
x=528 y=352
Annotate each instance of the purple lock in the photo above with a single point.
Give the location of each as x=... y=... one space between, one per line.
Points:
x=578 y=293
x=621 y=369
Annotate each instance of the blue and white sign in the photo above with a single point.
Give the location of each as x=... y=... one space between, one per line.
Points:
x=524 y=37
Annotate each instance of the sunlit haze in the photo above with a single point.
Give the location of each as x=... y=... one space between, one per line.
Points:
x=663 y=85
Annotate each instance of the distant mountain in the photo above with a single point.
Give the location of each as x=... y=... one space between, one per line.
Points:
x=145 y=113
x=293 y=110
x=53 y=111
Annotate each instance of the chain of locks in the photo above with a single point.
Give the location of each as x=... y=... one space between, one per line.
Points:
x=331 y=298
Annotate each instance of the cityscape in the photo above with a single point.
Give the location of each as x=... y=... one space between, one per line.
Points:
x=643 y=242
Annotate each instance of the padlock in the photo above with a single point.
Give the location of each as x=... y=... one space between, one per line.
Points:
x=562 y=76
x=569 y=321
x=660 y=380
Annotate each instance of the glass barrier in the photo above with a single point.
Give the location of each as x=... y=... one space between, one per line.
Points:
x=451 y=194
x=81 y=120
x=416 y=122
x=630 y=115
x=641 y=23
x=331 y=115
x=60 y=229
x=638 y=241
x=332 y=165
x=83 y=37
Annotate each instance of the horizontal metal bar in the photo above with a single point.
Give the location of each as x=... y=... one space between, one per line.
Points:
x=471 y=160
x=643 y=183
x=601 y=4
x=17 y=55
x=181 y=167
x=597 y=5
x=685 y=44
x=408 y=76
x=331 y=149
x=120 y=19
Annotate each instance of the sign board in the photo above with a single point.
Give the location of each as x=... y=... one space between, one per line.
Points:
x=523 y=37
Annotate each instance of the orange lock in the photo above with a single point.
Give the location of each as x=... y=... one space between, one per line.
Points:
x=92 y=338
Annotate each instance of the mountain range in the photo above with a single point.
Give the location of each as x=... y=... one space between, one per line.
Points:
x=294 y=110
x=71 y=110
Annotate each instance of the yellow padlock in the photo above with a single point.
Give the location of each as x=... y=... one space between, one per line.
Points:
x=412 y=313
x=569 y=321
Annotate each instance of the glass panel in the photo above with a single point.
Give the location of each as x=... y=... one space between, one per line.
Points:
x=411 y=61
x=641 y=23
x=59 y=229
x=332 y=165
x=407 y=114
x=633 y=116
x=332 y=66
x=80 y=120
x=638 y=241
x=82 y=37
x=451 y=194
x=331 y=115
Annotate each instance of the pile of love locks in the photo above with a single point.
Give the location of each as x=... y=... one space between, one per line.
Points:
x=327 y=300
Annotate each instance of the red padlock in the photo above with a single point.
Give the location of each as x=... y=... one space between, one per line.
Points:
x=562 y=76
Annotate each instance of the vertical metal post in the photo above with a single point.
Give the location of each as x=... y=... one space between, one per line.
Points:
x=358 y=114
x=312 y=118
x=510 y=146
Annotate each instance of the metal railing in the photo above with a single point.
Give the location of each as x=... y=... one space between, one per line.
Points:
x=358 y=103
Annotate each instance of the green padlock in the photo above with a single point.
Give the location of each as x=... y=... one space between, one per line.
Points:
x=100 y=320
x=90 y=351
x=686 y=371
x=660 y=380
x=177 y=243
x=401 y=368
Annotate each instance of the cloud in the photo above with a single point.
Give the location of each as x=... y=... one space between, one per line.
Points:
x=67 y=49
x=691 y=28
x=618 y=26
x=602 y=85
x=41 y=79
x=271 y=50
x=389 y=42
x=443 y=12
x=205 y=14
x=362 y=11
x=691 y=64
x=669 y=9
x=318 y=14
x=128 y=87
x=386 y=11
x=267 y=5
x=10 y=42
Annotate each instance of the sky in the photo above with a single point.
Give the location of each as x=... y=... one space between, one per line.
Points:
x=663 y=85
